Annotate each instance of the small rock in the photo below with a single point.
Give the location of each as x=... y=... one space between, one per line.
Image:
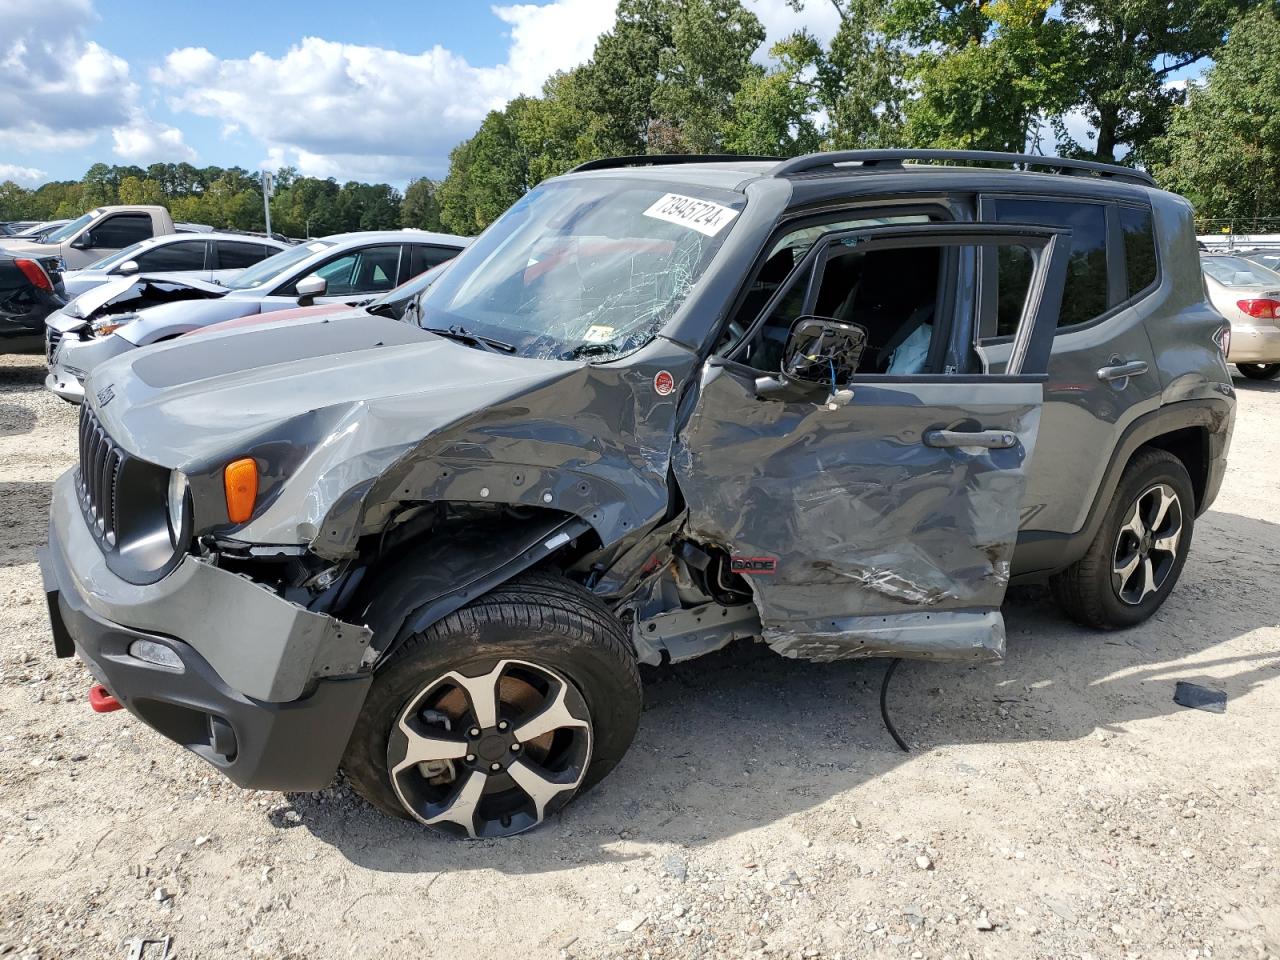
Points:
x=293 y=816
x=755 y=943
x=924 y=863
x=676 y=868
x=201 y=841
x=630 y=889
x=855 y=823
x=679 y=910
x=161 y=895
x=984 y=923
x=870 y=927
x=632 y=924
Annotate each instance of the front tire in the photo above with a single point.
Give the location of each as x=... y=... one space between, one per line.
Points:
x=1259 y=371
x=1138 y=554
x=494 y=718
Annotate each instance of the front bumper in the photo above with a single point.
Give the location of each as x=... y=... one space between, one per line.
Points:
x=268 y=691
x=72 y=359
x=1250 y=344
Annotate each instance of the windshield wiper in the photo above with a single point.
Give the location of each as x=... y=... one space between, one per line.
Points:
x=589 y=350
x=382 y=310
x=475 y=339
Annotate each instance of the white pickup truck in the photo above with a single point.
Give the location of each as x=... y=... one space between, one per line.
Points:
x=99 y=232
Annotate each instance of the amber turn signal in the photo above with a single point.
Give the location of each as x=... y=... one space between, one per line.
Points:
x=241 y=481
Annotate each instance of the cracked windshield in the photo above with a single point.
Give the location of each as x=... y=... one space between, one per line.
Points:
x=582 y=270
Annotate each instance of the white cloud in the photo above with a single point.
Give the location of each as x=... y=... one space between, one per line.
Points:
x=11 y=171
x=145 y=141
x=61 y=91
x=354 y=111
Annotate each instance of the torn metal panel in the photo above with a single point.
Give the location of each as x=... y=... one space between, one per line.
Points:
x=946 y=635
x=852 y=519
x=685 y=634
x=363 y=414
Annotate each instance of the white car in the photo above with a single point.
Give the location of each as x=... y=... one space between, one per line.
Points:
x=1247 y=294
x=135 y=311
x=205 y=256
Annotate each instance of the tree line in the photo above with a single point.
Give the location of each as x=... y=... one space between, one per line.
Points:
x=688 y=76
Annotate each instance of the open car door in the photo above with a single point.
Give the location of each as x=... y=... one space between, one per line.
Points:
x=877 y=514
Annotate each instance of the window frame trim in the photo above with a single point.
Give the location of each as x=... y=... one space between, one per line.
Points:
x=186 y=238
x=789 y=224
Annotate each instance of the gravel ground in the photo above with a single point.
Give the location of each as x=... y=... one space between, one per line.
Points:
x=1058 y=804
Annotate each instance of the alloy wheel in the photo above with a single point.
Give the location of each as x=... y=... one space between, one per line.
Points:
x=1146 y=549
x=491 y=754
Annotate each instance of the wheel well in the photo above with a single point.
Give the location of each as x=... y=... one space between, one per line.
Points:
x=1191 y=446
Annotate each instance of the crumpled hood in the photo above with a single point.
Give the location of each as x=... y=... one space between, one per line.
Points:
x=119 y=294
x=348 y=415
x=178 y=402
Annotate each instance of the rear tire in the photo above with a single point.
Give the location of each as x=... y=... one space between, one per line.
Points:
x=540 y=638
x=1259 y=371
x=1126 y=574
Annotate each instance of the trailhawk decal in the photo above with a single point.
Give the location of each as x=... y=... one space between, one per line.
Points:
x=663 y=383
x=701 y=215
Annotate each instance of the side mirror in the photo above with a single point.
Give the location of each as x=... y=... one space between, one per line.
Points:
x=822 y=350
x=309 y=288
x=129 y=266
x=83 y=242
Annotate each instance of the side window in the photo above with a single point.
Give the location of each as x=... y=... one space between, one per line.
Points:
x=424 y=258
x=1140 y=265
x=237 y=256
x=1086 y=293
x=186 y=255
x=784 y=256
x=121 y=230
x=371 y=270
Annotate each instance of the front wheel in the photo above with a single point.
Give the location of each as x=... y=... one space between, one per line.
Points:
x=493 y=719
x=1259 y=371
x=1138 y=554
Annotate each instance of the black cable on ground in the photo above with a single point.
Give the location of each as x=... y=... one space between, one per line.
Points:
x=884 y=708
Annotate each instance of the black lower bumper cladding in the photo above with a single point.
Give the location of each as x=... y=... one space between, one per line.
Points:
x=260 y=745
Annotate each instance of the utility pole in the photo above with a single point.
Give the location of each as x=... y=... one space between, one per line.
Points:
x=268 y=188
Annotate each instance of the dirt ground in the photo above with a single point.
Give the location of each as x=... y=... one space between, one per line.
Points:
x=1058 y=804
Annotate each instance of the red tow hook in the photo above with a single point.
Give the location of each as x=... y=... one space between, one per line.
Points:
x=101 y=700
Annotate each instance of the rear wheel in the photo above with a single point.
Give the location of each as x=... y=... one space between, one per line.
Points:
x=1138 y=554
x=1259 y=371
x=493 y=719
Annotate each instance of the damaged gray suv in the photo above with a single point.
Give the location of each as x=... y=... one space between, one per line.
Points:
x=836 y=403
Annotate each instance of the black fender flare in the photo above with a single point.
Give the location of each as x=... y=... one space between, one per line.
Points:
x=431 y=578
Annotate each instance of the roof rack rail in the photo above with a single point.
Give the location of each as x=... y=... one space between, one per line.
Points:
x=895 y=158
x=663 y=160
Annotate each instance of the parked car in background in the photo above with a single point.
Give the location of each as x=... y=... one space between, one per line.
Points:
x=11 y=228
x=99 y=232
x=1268 y=257
x=204 y=256
x=1247 y=294
x=125 y=313
x=402 y=303
x=38 y=230
x=30 y=290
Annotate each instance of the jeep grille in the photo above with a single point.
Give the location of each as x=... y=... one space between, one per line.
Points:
x=100 y=464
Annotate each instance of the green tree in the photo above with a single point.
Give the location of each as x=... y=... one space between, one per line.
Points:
x=702 y=71
x=420 y=207
x=133 y=190
x=1125 y=52
x=1222 y=149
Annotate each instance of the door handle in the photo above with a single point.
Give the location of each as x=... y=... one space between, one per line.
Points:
x=1122 y=370
x=991 y=439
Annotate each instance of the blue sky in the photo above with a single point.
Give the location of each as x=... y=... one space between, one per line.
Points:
x=378 y=91
x=375 y=91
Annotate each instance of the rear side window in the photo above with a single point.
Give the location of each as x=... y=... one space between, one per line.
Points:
x=237 y=256
x=122 y=230
x=424 y=258
x=1085 y=295
x=1139 y=249
x=186 y=255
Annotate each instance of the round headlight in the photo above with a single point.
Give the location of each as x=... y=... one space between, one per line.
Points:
x=177 y=504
